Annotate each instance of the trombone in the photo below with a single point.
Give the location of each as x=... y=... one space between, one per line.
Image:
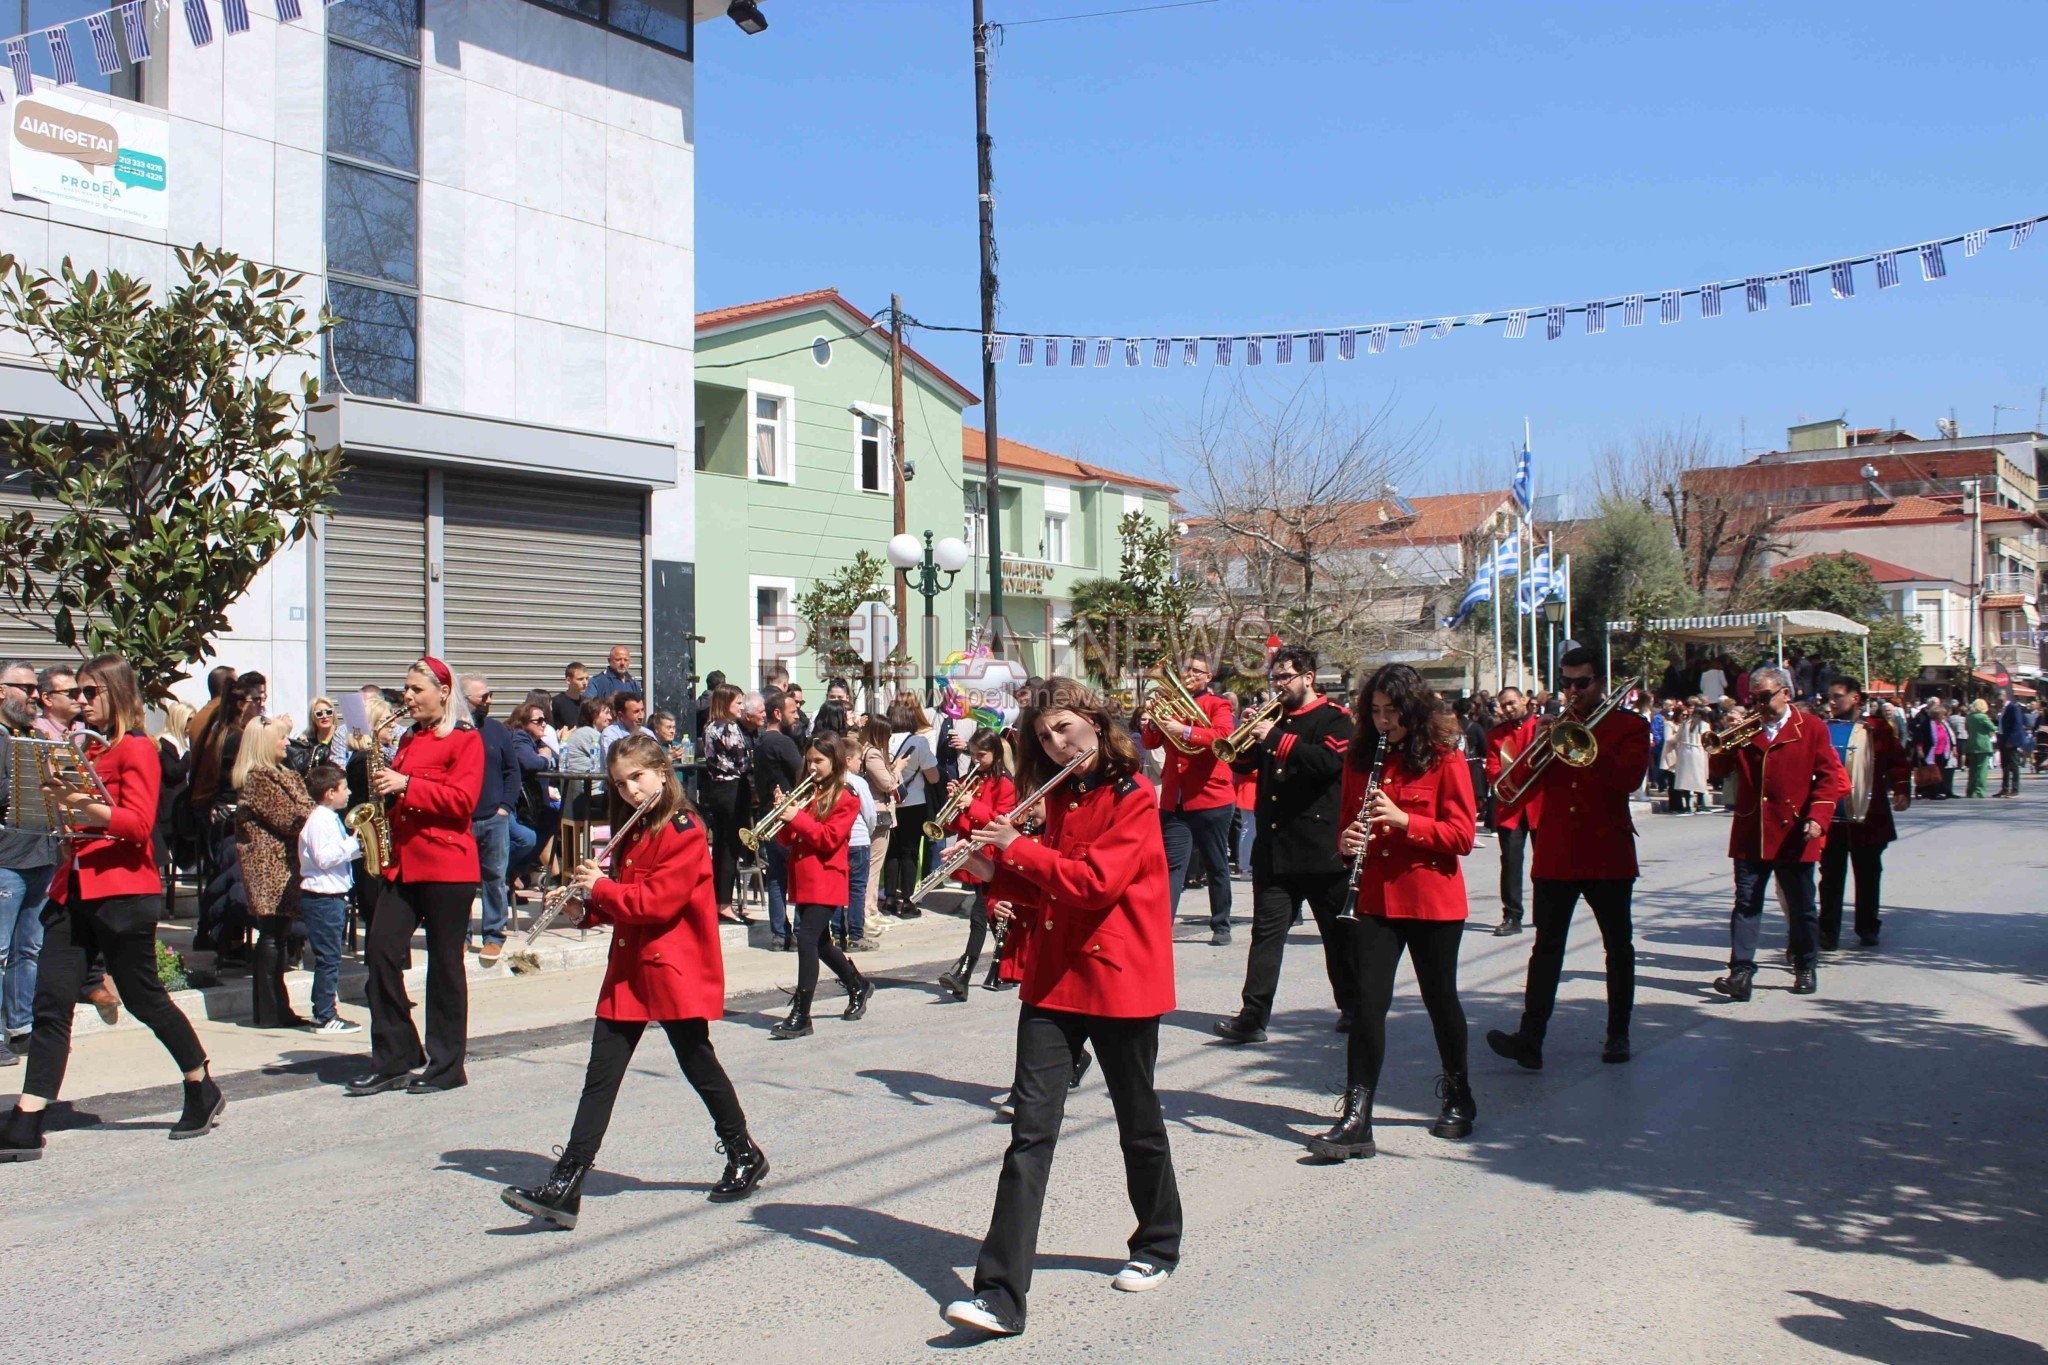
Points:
x=1170 y=704
x=768 y=826
x=1232 y=746
x=1565 y=740
x=957 y=859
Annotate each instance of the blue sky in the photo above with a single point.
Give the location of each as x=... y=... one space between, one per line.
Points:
x=1248 y=165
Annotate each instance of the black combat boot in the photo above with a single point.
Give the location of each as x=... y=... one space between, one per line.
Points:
x=798 y=1022
x=203 y=1106
x=1082 y=1061
x=1736 y=985
x=746 y=1166
x=1805 y=976
x=555 y=1200
x=21 y=1135
x=1519 y=1048
x=958 y=977
x=1459 y=1110
x=859 y=991
x=1352 y=1137
x=1509 y=924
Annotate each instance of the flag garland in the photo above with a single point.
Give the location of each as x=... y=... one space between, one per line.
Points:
x=99 y=28
x=1756 y=290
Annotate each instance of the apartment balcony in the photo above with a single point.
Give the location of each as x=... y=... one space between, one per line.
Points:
x=2025 y=584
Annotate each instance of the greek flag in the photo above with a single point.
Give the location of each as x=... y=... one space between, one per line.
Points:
x=1670 y=307
x=236 y=13
x=1553 y=322
x=1411 y=334
x=101 y=27
x=1798 y=289
x=1756 y=296
x=2020 y=234
x=1524 y=489
x=998 y=347
x=1842 y=280
x=1932 y=267
x=1377 y=342
x=1481 y=590
x=288 y=11
x=1710 y=300
x=17 y=57
x=1974 y=240
x=1253 y=351
x=1162 y=352
x=1347 y=340
x=1632 y=311
x=1027 y=350
x=1283 y=349
x=1315 y=348
x=60 y=56
x=1130 y=351
x=1190 y=347
x=1443 y=327
x=1596 y=318
x=199 y=22
x=1536 y=586
x=1077 y=354
x=1507 y=560
x=1518 y=324
x=135 y=28
x=1222 y=350
x=1887 y=269
x=1101 y=352
x=1052 y=351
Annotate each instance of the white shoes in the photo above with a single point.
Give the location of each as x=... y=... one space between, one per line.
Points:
x=1138 y=1276
x=337 y=1025
x=976 y=1315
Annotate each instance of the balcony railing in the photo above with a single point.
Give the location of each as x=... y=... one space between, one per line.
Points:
x=2026 y=584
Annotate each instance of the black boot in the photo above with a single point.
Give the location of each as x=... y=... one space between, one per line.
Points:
x=557 y=1199
x=1805 y=977
x=1459 y=1110
x=859 y=991
x=203 y=1106
x=1509 y=924
x=1081 y=1064
x=746 y=1166
x=1736 y=985
x=1353 y=1134
x=21 y=1136
x=1519 y=1048
x=956 y=980
x=798 y=1023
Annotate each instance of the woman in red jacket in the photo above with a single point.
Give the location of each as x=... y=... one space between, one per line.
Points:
x=431 y=787
x=816 y=838
x=995 y=796
x=105 y=897
x=1100 y=968
x=666 y=967
x=1411 y=894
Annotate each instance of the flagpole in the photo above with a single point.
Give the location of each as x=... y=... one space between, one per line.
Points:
x=1492 y=568
x=1549 y=591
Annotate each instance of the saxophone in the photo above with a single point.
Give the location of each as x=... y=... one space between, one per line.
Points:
x=370 y=822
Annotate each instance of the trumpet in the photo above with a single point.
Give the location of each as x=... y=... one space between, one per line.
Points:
x=958 y=858
x=1232 y=746
x=768 y=826
x=1171 y=705
x=558 y=901
x=1735 y=735
x=961 y=798
x=1564 y=740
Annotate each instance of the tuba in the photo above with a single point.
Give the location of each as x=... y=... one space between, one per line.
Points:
x=1170 y=701
x=1564 y=740
x=765 y=829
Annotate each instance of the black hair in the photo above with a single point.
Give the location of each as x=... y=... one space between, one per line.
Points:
x=1847 y=683
x=714 y=680
x=590 y=708
x=1298 y=657
x=620 y=698
x=830 y=720
x=1432 y=730
x=323 y=778
x=1581 y=657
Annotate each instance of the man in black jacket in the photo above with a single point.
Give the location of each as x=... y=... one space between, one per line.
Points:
x=777 y=765
x=1299 y=760
x=492 y=823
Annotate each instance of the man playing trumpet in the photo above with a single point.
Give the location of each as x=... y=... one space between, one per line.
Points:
x=1196 y=794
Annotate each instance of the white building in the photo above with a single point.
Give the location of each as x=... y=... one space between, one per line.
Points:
x=496 y=196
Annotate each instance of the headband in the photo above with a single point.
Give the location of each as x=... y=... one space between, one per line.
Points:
x=441 y=673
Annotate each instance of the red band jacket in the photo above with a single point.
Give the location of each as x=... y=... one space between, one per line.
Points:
x=1503 y=742
x=996 y=796
x=666 y=960
x=1587 y=833
x=122 y=862
x=1415 y=873
x=1780 y=784
x=1094 y=883
x=818 y=873
x=1199 y=781
x=430 y=819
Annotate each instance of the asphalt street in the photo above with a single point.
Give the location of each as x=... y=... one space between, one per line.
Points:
x=1856 y=1175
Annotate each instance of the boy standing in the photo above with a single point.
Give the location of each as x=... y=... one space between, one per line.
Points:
x=326 y=851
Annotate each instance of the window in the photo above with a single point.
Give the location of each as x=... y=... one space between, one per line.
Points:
x=1052 y=540
x=821 y=352
x=373 y=85
x=1929 y=616
x=776 y=638
x=771 y=431
x=977 y=519
x=664 y=23
x=871 y=455
x=703 y=448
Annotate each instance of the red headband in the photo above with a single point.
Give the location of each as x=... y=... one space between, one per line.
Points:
x=441 y=673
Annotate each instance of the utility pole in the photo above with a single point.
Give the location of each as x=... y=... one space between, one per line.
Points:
x=1973 y=502
x=985 y=177
x=896 y=449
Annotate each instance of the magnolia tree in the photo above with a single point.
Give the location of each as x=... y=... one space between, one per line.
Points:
x=190 y=473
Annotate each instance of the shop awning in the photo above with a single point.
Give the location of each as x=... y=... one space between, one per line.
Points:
x=1746 y=625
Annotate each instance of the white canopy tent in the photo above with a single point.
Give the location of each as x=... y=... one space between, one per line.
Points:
x=1747 y=626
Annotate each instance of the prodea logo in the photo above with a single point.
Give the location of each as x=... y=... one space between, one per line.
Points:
x=88 y=141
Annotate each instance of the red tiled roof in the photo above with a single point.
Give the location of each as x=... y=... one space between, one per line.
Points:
x=763 y=309
x=1016 y=455
x=1843 y=471
x=1440 y=519
x=1907 y=511
x=1883 y=570
x=2005 y=599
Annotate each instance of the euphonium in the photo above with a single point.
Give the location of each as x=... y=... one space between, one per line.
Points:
x=1170 y=701
x=1232 y=746
x=962 y=796
x=768 y=826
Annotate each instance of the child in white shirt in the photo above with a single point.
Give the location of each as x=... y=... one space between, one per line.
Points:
x=327 y=854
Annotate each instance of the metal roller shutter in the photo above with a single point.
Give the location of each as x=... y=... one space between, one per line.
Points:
x=538 y=573
x=375 y=546
x=31 y=639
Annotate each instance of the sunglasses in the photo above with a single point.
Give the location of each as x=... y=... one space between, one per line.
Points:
x=1763 y=693
x=71 y=692
x=323 y=715
x=90 y=692
x=1575 y=684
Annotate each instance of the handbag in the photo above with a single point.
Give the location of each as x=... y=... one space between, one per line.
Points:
x=1927 y=775
x=885 y=809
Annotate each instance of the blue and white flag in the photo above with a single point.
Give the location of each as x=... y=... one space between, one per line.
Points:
x=199 y=22
x=135 y=28
x=1756 y=296
x=1507 y=557
x=1411 y=334
x=1632 y=311
x=1974 y=241
x=101 y=27
x=1315 y=348
x=1596 y=318
x=1130 y=352
x=1524 y=489
x=1101 y=352
x=1887 y=269
x=1798 y=290
x=2020 y=234
x=1027 y=351
x=1842 y=280
x=1254 y=352
x=1670 y=307
x=1052 y=351
x=1222 y=350
x=60 y=55
x=288 y=11
x=1162 y=352
x=24 y=75
x=998 y=347
x=1190 y=351
x=1553 y=322
x=1518 y=324
x=1347 y=344
x=1283 y=349
x=1377 y=342
x=1443 y=327
x=1710 y=300
x=1536 y=585
x=1481 y=590
x=236 y=14
x=1932 y=266
x=1077 y=354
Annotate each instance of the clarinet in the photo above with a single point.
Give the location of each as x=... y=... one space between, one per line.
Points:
x=1349 y=913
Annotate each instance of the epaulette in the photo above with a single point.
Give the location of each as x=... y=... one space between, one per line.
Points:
x=1125 y=785
x=682 y=820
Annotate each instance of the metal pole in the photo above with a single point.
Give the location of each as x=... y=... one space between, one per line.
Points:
x=985 y=179
x=896 y=448
x=1500 y=676
x=928 y=585
x=1567 y=597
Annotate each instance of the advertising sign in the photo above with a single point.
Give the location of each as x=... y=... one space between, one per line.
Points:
x=110 y=159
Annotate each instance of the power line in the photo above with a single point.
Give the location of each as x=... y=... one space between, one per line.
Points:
x=1106 y=13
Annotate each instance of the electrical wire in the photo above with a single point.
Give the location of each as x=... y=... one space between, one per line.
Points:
x=1105 y=13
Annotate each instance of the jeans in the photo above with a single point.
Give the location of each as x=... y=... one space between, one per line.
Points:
x=121 y=929
x=1204 y=834
x=1513 y=844
x=1836 y=862
x=1432 y=946
x=775 y=873
x=493 y=849
x=1247 y=831
x=22 y=893
x=325 y=918
x=851 y=921
x=1746 y=925
x=611 y=1047
x=1275 y=898
x=523 y=844
x=1129 y=1051
x=1610 y=899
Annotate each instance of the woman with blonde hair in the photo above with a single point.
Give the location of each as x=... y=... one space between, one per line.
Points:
x=1980 y=741
x=272 y=811
x=325 y=739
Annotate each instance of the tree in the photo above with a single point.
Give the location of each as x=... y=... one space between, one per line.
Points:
x=192 y=471
x=1139 y=619
x=1723 y=539
x=1844 y=585
x=827 y=606
x=1629 y=570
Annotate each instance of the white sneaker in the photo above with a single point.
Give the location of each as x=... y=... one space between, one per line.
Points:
x=1138 y=1276
x=976 y=1314
x=337 y=1025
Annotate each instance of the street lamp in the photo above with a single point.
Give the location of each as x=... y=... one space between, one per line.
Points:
x=923 y=564
x=1553 y=617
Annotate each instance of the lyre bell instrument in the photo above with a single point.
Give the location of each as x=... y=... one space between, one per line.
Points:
x=42 y=772
x=1017 y=815
x=1861 y=767
x=764 y=830
x=1733 y=736
x=1232 y=746
x=961 y=797
x=563 y=899
x=1171 y=705
x=1372 y=786
x=370 y=821
x=1564 y=740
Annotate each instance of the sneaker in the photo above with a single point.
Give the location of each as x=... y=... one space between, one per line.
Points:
x=1138 y=1276
x=488 y=954
x=862 y=945
x=17 y=1043
x=338 y=1025
x=1219 y=938
x=976 y=1315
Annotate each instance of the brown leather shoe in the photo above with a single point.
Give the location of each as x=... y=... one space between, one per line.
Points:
x=488 y=954
x=104 y=1000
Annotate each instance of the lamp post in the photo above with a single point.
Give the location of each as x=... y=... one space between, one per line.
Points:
x=1553 y=616
x=922 y=566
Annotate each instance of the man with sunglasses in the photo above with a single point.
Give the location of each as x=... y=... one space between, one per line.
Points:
x=1588 y=849
x=27 y=860
x=1788 y=782
x=57 y=690
x=1299 y=759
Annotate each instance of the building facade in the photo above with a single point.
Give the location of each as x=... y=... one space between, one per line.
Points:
x=495 y=199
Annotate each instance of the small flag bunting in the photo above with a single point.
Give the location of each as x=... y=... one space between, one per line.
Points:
x=1411 y=334
x=2020 y=235
x=1190 y=351
x=198 y=22
x=1974 y=241
x=1632 y=311
x=1162 y=351
x=1887 y=269
x=235 y=13
x=1315 y=348
x=1077 y=354
x=1052 y=351
x=1670 y=307
x=1443 y=327
x=1102 y=353
x=1347 y=345
x=135 y=28
x=1842 y=280
x=1253 y=351
x=1553 y=322
x=17 y=57
x=1518 y=324
x=101 y=29
x=288 y=11
x=1223 y=350
x=1130 y=352
x=1377 y=342
x=1755 y=295
x=1027 y=350
x=998 y=347
x=1283 y=350
x=1596 y=318
x=1710 y=300
x=60 y=55
x=1798 y=290
x=1932 y=266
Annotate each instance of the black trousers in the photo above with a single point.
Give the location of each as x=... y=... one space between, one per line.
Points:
x=1276 y=898
x=1203 y=834
x=1432 y=946
x=122 y=930
x=813 y=942
x=1610 y=900
x=2010 y=760
x=270 y=1002
x=611 y=1048
x=1046 y=1043
x=1837 y=860
x=906 y=852
x=402 y=907
x=977 y=926
x=722 y=810
x=1514 y=845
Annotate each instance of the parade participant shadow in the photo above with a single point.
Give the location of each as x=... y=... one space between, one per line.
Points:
x=930 y=1258
x=64 y=1116
x=1871 y=1331
x=500 y=1166
x=921 y=1088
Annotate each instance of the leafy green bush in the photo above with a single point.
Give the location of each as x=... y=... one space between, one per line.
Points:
x=170 y=968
